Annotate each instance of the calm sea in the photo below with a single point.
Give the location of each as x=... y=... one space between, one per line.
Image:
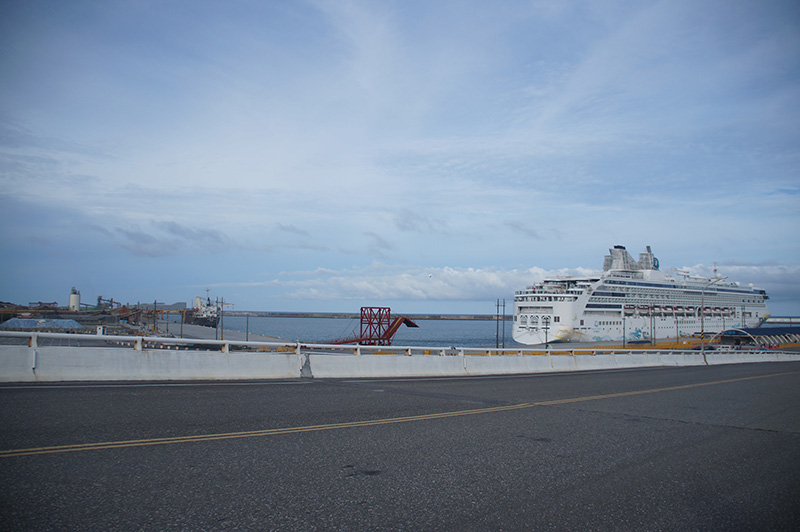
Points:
x=430 y=333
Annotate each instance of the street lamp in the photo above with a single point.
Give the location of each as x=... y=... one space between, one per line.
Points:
x=703 y=313
x=625 y=309
x=545 y=326
x=623 y=328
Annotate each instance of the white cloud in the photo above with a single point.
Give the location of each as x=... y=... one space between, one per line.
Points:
x=382 y=282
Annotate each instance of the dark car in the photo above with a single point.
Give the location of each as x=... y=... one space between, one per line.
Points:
x=708 y=347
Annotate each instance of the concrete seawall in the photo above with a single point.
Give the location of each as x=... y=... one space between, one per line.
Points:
x=53 y=364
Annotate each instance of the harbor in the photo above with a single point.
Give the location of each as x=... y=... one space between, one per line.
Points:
x=322 y=327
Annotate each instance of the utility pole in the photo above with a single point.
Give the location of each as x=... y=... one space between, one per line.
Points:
x=497 y=324
x=504 y=323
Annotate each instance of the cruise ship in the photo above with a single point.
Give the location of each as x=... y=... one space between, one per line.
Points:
x=635 y=301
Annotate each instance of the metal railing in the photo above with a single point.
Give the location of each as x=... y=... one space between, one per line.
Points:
x=139 y=343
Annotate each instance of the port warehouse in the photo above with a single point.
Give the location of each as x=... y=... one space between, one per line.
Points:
x=42 y=357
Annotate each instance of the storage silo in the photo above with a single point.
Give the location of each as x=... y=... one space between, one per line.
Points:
x=74 y=300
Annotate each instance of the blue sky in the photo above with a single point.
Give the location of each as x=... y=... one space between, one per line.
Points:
x=429 y=156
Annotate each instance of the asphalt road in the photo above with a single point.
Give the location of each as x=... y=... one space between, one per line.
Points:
x=709 y=448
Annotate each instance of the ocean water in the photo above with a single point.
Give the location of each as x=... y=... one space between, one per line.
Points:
x=430 y=333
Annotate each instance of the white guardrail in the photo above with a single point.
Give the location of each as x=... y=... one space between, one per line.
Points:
x=46 y=356
x=139 y=343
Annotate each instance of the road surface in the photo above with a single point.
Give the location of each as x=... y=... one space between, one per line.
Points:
x=695 y=448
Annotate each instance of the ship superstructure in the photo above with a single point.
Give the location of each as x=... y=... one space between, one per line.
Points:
x=633 y=300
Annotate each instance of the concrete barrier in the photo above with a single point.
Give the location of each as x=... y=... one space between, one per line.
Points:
x=507 y=364
x=593 y=361
x=564 y=361
x=747 y=356
x=682 y=359
x=365 y=366
x=348 y=366
x=48 y=364
x=36 y=362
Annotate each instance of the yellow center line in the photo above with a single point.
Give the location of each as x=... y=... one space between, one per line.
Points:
x=352 y=424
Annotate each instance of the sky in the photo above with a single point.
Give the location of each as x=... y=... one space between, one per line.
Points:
x=434 y=157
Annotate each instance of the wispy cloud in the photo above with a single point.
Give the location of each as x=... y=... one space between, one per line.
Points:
x=167 y=238
x=525 y=230
x=292 y=229
x=417 y=222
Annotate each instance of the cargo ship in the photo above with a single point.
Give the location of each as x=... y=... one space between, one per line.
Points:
x=203 y=313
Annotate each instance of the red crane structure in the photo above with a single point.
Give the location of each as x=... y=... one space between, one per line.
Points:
x=377 y=327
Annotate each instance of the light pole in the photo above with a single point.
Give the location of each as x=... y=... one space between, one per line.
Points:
x=625 y=309
x=703 y=313
x=497 y=324
x=653 y=332
x=545 y=326
x=623 y=327
x=675 y=317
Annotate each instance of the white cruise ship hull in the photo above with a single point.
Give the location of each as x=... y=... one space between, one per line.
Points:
x=632 y=330
x=633 y=301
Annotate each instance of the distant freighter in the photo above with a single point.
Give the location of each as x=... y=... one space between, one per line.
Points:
x=633 y=300
x=204 y=313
